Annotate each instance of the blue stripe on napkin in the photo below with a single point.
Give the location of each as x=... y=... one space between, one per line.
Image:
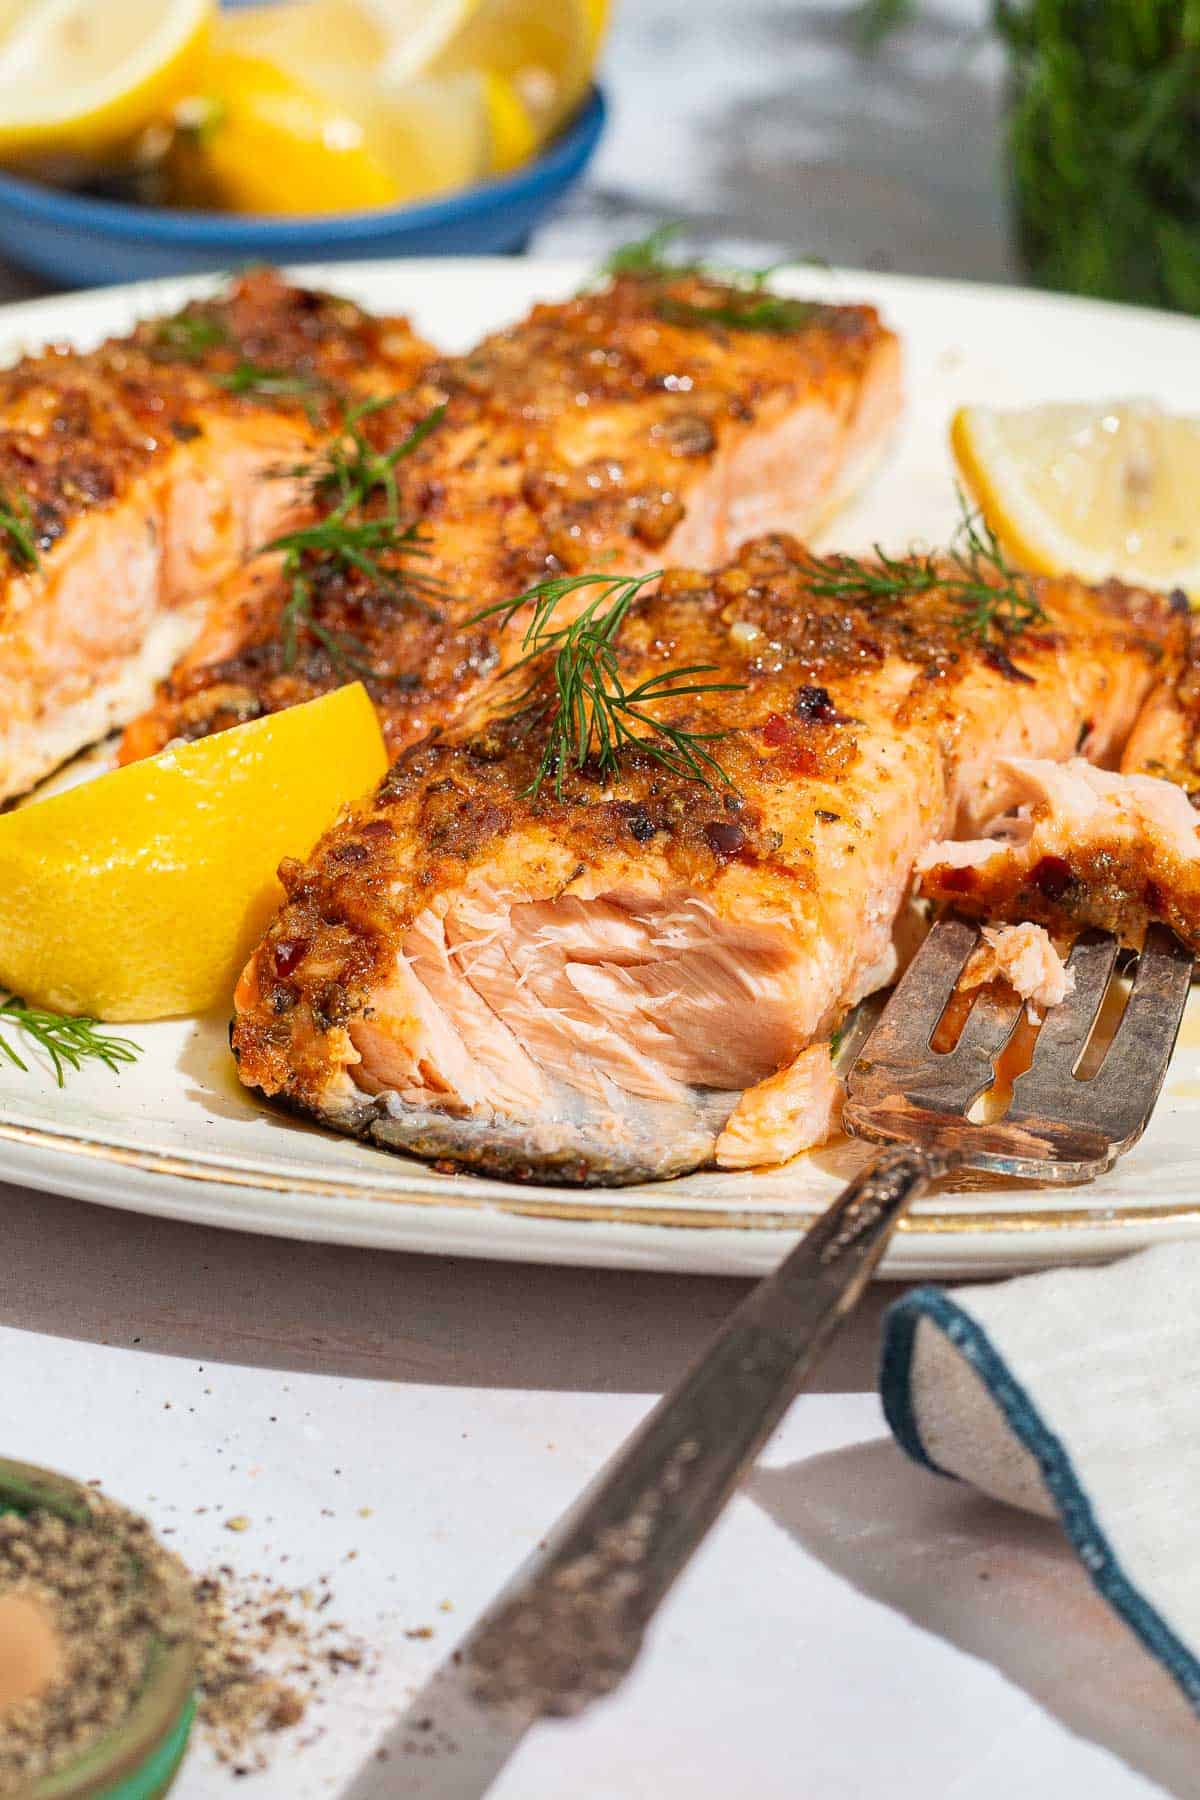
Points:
x=1053 y=1460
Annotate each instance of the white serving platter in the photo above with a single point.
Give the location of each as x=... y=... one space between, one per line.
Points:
x=176 y=1135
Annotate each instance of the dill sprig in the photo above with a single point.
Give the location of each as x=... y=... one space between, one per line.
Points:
x=596 y=718
x=653 y=258
x=348 y=475
x=267 y=383
x=67 y=1039
x=744 y=311
x=16 y=530
x=351 y=470
x=189 y=335
x=746 y=307
x=993 y=601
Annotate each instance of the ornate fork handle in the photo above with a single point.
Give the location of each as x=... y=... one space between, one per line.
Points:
x=570 y=1627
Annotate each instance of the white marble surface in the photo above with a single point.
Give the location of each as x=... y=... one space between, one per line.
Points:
x=854 y=1627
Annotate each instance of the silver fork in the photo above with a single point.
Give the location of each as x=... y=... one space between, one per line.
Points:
x=569 y=1627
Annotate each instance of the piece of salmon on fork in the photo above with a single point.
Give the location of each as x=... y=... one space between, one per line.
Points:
x=602 y=973
x=655 y=420
x=132 y=481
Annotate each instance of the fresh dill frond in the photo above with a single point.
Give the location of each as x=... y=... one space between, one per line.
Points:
x=747 y=310
x=596 y=718
x=67 y=1039
x=992 y=601
x=350 y=471
x=16 y=530
x=651 y=258
x=649 y=255
x=349 y=474
x=1100 y=135
x=1101 y=140
x=189 y=335
x=266 y=383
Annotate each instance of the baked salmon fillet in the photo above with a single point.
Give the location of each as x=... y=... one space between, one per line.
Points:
x=639 y=975
x=132 y=481
x=627 y=428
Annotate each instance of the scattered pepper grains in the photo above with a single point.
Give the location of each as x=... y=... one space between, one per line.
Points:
x=103 y=1588
x=265 y=1657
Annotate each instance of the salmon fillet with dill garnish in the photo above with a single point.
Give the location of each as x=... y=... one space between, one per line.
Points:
x=131 y=481
x=599 y=973
x=662 y=418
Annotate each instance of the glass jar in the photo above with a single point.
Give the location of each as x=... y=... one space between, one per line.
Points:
x=139 y=1758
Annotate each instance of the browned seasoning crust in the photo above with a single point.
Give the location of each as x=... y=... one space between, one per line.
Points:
x=1108 y=886
x=135 y=478
x=76 y=429
x=824 y=683
x=594 y=434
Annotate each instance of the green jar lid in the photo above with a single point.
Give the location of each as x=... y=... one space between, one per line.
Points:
x=137 y=1759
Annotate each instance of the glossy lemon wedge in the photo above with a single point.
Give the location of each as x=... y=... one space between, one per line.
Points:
x=1094 y=490
x=544 y=48
x=79 y=81
x=139 y=895
x=261 y=138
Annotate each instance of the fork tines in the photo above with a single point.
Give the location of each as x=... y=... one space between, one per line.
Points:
x=1059 y=1125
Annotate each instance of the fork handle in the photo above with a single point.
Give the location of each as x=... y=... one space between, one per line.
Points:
x=569 y=1628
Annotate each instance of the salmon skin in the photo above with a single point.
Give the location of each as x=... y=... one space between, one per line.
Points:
x=620 y=429
x=132 y=480
x=608 y=986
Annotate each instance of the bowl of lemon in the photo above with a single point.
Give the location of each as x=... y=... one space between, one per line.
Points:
x=163 y=136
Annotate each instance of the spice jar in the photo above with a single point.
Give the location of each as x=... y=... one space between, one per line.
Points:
x=97 y=1647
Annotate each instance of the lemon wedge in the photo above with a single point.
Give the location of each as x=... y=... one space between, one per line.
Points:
x=1094 y=490
x=139 y=895
x=80 y=81
x=513 y=134
x=543 y=48
x=597 y=17
x=263 y=139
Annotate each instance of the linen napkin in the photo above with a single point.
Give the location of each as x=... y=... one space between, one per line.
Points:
x=1074 y=1394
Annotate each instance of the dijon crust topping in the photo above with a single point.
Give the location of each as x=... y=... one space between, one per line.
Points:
x=831 y=702
x=77 y=429
x=574 y=440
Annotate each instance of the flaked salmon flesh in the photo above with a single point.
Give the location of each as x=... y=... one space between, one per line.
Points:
x=140 y=475
x=1079 y=848
x=629 y=980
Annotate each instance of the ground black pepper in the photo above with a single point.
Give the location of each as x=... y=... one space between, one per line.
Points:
x=108 y=1590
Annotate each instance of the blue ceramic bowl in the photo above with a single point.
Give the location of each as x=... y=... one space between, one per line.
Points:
x=78 y=241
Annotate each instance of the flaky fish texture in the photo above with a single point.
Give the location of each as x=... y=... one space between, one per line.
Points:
x=1080 y=848
x=608 y=985
x=624 y=429
x=135 y=477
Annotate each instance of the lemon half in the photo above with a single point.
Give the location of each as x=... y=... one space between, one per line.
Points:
x=139 y=895
x=1093 y=489
x=79 y=81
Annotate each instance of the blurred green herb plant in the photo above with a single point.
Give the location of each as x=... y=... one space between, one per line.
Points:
x=1103 y=141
